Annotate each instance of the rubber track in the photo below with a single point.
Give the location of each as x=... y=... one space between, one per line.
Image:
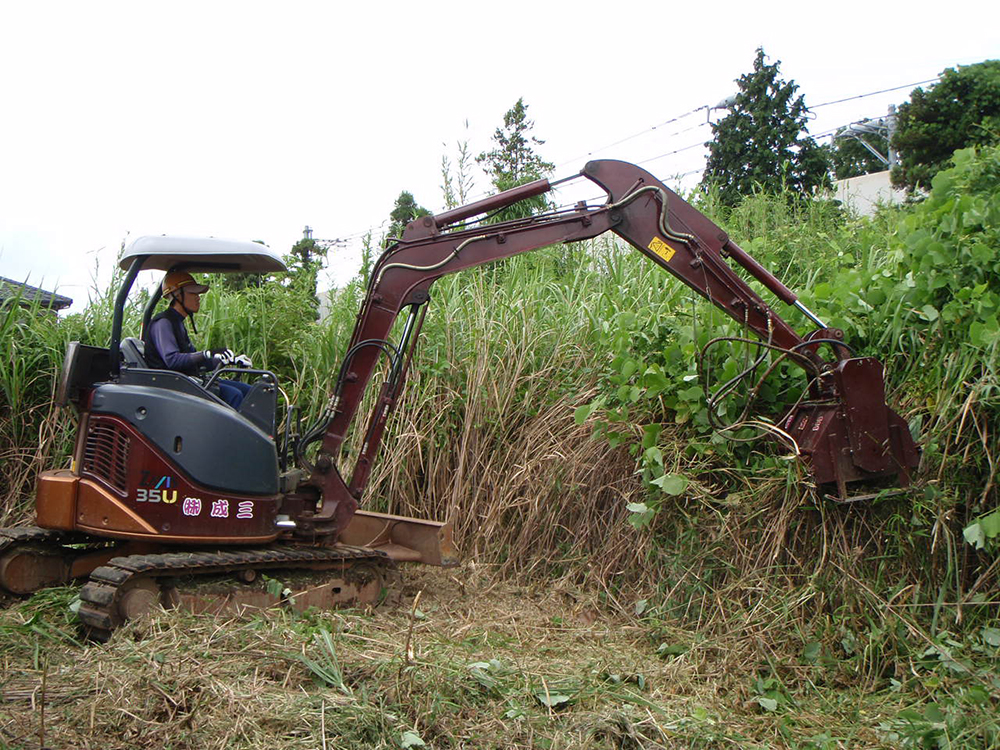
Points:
x=18 y=535
x=99 y=596
x=29 y=535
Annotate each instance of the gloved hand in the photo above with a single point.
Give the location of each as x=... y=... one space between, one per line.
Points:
x=219 y=357
x=242 y=360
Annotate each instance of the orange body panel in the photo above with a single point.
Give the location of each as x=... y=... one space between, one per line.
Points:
x=100 y=512
x=55 y=502
x=68 y=502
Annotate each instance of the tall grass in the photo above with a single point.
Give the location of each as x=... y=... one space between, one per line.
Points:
x=30 y=341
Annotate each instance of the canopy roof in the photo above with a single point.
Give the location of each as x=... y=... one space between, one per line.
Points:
x=201 y=255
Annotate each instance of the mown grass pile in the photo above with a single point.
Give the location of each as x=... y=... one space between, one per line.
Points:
x=476 y=663
x=554 y=415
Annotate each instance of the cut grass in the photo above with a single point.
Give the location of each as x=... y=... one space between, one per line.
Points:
x=492 y=664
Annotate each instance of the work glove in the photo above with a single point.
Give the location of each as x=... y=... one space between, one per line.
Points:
x=219 y=357
x=242 y=360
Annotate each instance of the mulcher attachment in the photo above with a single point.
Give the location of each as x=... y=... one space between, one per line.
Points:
x=854 y=436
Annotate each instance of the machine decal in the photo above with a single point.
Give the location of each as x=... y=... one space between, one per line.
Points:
x=192 y=506
x=661 y=248
x=148 y=479
x=143 y=495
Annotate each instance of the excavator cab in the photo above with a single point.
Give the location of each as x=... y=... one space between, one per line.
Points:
x=159 y=456
x=86 y=365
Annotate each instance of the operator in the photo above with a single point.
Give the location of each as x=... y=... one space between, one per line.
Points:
x=168 y=347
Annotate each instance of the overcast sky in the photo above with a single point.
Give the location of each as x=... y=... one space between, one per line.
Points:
x=252 y=120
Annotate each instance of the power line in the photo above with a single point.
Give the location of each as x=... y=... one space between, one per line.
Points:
x=670 y=153
x=703 y=124
x=636 y=135
x=874 y=93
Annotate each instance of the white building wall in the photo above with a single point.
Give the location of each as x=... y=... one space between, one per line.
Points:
x=863 y=194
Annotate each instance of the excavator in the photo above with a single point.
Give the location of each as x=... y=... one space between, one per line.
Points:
x=168 y=483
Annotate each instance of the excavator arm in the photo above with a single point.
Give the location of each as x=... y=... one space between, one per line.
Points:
x=845 y=432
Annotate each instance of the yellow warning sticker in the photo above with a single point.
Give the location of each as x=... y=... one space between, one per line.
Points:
x=661 y=248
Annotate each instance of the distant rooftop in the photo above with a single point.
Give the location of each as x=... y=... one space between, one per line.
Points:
x=28 y=295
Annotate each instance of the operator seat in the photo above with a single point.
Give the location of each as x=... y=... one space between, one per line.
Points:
x=133 y=352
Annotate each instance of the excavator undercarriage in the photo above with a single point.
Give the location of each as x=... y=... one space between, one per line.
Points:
x=128 y=579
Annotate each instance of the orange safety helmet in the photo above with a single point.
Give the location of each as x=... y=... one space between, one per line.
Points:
x=176 y=280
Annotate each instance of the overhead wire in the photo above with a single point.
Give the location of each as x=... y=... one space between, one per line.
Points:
x=650 y=129
x=671 y=153
x=875 y=93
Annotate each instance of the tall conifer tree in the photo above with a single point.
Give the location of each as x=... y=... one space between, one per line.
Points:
x=760 y=144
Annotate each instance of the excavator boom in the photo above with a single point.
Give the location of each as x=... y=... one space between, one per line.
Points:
x=845 y=432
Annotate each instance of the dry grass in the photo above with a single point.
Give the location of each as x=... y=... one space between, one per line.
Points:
x=492 y=664
x=540 y=492
x=24 y=461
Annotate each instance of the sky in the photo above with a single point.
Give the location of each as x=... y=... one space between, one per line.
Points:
x=252 y=120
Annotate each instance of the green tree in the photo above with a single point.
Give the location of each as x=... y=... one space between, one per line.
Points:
x=759 y=145
x=405 y=211
x=513 y=161
x=304 y=261
x=961 y=110
x=849 y=158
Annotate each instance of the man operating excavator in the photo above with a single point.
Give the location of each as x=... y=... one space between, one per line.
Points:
x=168 y=346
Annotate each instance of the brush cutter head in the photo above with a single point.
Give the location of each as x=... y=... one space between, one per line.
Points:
x=853 y=437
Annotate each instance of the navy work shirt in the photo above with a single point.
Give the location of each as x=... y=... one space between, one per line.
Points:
x=168 y=347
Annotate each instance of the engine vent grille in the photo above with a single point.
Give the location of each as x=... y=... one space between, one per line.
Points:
x=105 y=454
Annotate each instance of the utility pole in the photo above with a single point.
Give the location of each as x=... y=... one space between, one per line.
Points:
x=891 y=126
x=307 y=234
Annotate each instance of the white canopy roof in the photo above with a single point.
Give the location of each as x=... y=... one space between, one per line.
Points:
x=201 y=255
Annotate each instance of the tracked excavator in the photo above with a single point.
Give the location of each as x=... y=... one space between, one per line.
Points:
x=168 y=483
